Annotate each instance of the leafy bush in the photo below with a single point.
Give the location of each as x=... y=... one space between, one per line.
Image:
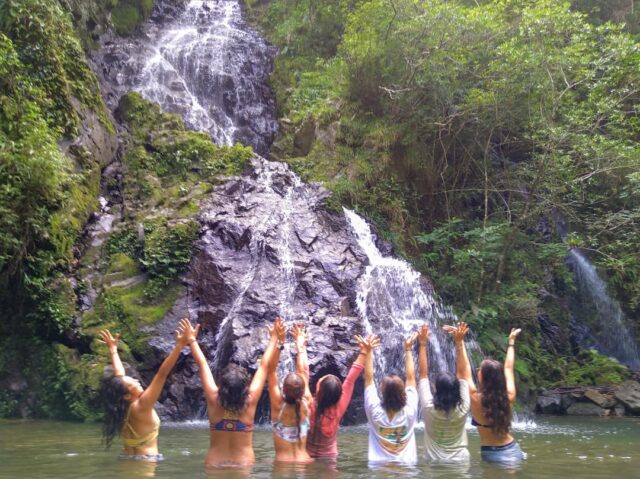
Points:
x=167 y=252
x=592 y=369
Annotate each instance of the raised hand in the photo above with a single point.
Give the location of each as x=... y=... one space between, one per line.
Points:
x=186 y=331
x=458 y=332
x=423 y=334
x=513 y=335
x=369 y=344
x=300 y=336
x=278 y=330
x=408 y=342
x=108 y=339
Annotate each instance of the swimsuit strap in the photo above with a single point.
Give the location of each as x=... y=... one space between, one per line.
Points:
x=128 y=424
x=477 y=424
x=231 y=425
x=137 y=440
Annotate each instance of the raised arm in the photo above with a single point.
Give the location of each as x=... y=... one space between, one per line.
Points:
x=300 y=338
x=408 y=360
x=350 y=381
x=112 y=345
x=209 y=386
x=257 y=383
x=273 y=382
x=423 y=357
x=463 y=367
x=509 y=372
x=150 y=395
x=372 y=342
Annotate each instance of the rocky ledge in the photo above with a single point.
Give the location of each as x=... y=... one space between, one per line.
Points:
x=622 y=400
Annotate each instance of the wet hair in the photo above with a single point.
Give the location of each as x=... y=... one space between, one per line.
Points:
x=328 y=394
x=495 y=402
x=233 y=388
x=115 y=406
x=394 y=397
x=292 y=393
x=447 y=393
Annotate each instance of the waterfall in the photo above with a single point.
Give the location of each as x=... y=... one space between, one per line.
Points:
x=394 y=300
x=205 y=64
x=610 y=332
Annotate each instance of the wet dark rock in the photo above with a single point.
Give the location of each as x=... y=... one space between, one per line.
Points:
x=586 y=409
x=267 y=247
x=550 y=403
x=596 y=397
x=628 y=394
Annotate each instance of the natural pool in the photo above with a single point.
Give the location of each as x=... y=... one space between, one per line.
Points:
x=558 y=448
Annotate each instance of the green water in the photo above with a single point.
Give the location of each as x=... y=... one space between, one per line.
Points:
x=557 y=448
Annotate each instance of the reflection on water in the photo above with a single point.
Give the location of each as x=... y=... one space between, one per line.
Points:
x=588 y=448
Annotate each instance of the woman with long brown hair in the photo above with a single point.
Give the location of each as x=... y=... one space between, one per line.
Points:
x=491 y=401
x=331 y=399
x=130 y=408
x=290 y=410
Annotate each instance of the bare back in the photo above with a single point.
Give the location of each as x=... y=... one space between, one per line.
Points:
x=283 y=417
x=487 y=435
x=228 y=447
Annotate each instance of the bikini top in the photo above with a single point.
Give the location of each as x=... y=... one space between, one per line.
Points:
x=290 y=433
x=137 y=440
x=477 y=424
x=231 y=425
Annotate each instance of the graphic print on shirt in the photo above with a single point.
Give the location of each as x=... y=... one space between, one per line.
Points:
x=393 y=439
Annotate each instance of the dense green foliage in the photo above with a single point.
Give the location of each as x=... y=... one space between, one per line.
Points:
x=466 y=130
x=49 y=364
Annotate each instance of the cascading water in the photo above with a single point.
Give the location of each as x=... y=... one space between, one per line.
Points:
x=610 y=332
x=394 y=300
x=268 y=245
x=205 y=64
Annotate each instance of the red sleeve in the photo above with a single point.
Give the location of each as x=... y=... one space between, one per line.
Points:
x=347 y=388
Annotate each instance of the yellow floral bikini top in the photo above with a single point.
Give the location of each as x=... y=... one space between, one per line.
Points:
x=138 y=441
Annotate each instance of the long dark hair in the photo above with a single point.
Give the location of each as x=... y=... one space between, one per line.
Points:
x=447 y=394
x=115 y=407
x=328 y=394
x=394 y=397
x=233 y=389
x=495 y=402
x=293 y=392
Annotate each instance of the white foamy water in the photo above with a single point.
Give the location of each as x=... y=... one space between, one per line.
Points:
x=394 y=300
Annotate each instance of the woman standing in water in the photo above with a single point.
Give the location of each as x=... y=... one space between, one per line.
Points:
x=331 y=401
x=129 y=408
x=393 y=417
x=290 y=411
x=491 y=401
x=444 y=413
x=231 y=404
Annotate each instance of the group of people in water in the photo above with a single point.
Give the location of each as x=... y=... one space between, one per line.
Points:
x=305 y=424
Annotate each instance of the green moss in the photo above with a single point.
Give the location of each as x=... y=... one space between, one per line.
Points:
x=148 y=312
x=128 y=14
x=593 y=369
x=122 y=266
x=125 y=19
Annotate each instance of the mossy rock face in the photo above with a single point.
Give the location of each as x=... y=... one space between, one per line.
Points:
x=128 y=14
x=594 y=369
x=121 y=267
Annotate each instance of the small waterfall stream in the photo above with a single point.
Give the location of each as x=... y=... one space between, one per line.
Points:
x=394 y=300
x=612 y=336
